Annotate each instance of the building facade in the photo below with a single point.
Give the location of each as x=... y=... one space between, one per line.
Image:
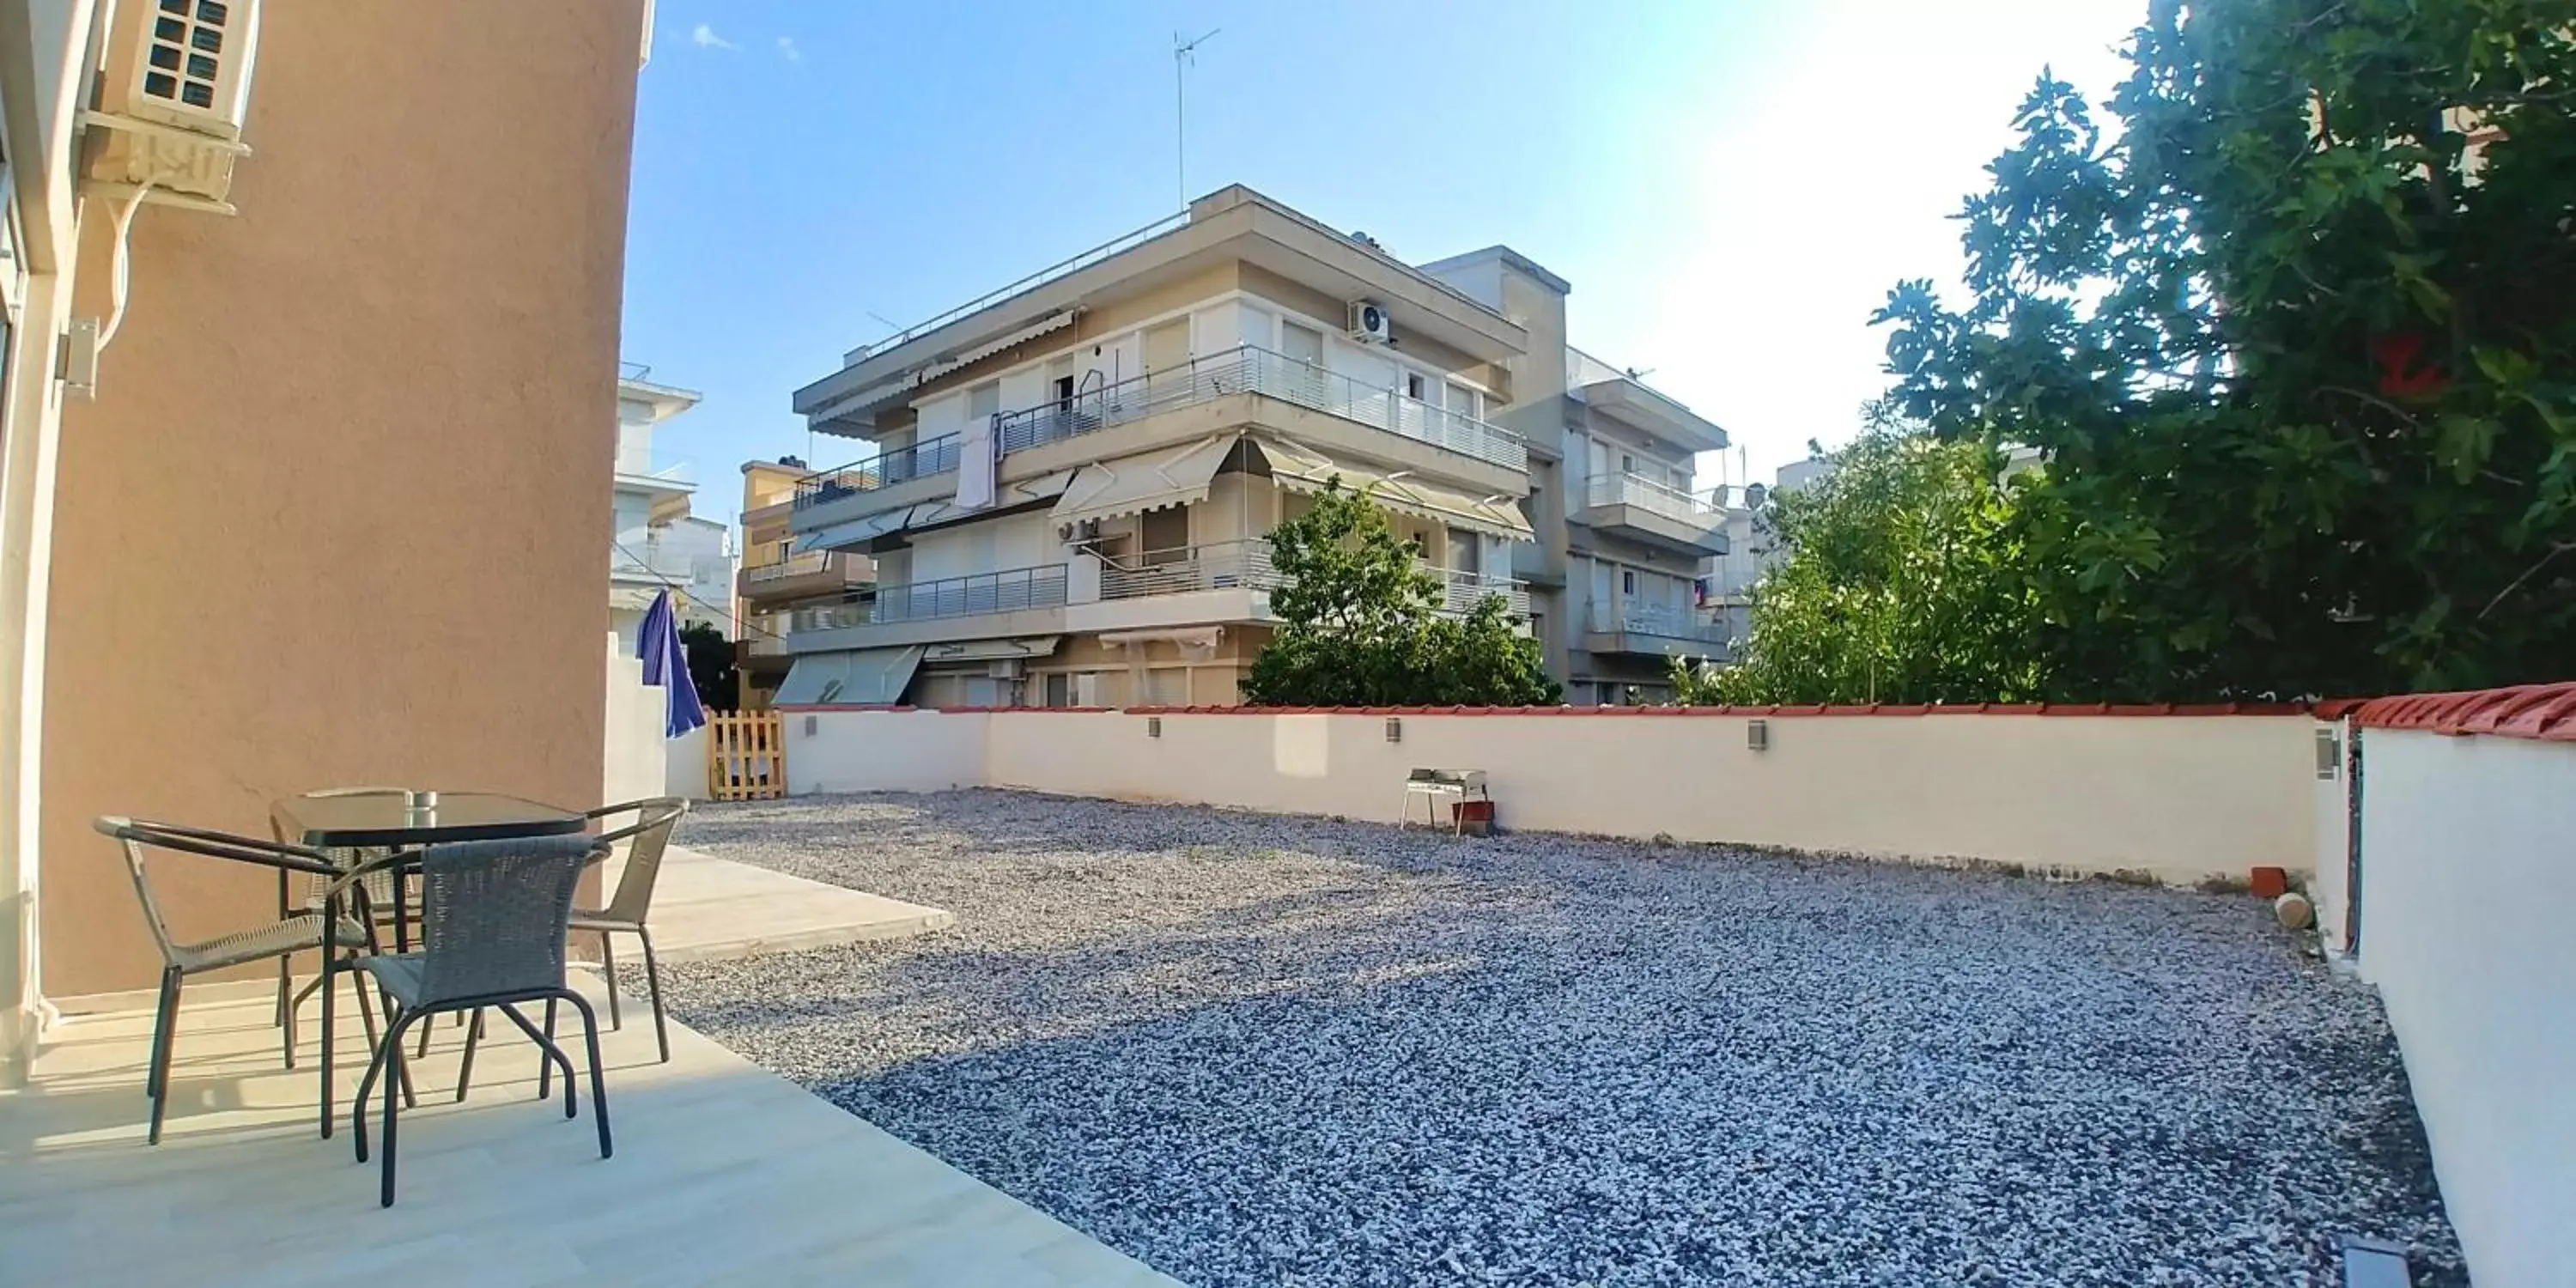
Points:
x=1075 y=476
x=318 y=500
x=655 y=543
x=780 y=585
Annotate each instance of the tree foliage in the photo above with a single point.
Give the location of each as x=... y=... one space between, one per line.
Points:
x=1901 y=581
x=711 y=666
x=1359 y=624
x=2297 y=331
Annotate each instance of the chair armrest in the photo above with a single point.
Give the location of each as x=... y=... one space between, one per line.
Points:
x=218 y=845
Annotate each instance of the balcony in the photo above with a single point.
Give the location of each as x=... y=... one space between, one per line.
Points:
x=1020 y=601
x=1299 y=400
x=1663 y=516
x=796 y=576
x=1251 y=369
x=1654 y=631
x=1230 y=581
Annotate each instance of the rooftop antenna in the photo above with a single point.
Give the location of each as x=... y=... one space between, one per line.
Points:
x=1184 y=57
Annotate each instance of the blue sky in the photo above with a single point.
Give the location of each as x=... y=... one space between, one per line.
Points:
x=1731 y=185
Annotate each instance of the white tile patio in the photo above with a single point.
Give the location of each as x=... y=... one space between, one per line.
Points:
x=723 y=1174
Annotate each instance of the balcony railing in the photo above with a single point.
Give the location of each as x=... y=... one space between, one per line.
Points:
x=1251 y=369
x=1655 y=498
x=1060 y=268
x=1662 y=623
x=652 y=561
x=887 y=468
x=990 y=592
x=1227 y=565
x=764 y=634
x=827 y=617
x=799 y=565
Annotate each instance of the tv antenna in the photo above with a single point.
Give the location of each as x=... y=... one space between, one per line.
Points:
x=1184 y=57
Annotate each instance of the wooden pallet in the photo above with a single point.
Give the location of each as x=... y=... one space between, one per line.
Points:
x=746 y=756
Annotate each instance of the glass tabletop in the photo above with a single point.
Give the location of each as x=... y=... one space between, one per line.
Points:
x=389 y=819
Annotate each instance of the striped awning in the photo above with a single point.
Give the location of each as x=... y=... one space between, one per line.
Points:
x=1303 y=469
x=857 y=533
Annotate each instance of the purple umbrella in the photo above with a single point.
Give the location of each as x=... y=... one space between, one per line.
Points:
x=666 y=663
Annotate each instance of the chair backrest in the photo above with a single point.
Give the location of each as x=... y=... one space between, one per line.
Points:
x=380 y=888
x=135 y=836
x=493 y=914
x=648 y=836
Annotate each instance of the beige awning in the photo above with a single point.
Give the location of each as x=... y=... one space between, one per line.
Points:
x=861 y=677
x=1302 y=468
x=1144 y=481
x=856 y=534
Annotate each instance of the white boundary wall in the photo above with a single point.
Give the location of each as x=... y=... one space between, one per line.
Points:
x=2468 y=871
x=2179 y=796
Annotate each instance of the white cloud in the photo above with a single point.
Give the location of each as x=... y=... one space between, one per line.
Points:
x=705 y=37
x=787 y=49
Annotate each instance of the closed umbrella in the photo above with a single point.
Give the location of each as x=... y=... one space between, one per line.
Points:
x=666 y=663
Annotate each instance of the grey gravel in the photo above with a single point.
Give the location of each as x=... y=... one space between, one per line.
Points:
x=1249 y=1049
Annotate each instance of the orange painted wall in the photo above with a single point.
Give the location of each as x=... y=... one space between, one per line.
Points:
x=340 y=513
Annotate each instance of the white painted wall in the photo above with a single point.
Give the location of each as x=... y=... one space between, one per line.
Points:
x=634 y=760
x=2467 y=875
x=684 y=772
x=899 y=751
x=2181 y=797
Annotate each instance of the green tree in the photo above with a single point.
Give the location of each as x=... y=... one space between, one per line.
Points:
x=1901 y=581
x=2298 y=335
x=711 y=666
x=1359 y=624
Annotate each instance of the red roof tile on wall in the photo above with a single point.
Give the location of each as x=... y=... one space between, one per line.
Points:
x=2546 y=712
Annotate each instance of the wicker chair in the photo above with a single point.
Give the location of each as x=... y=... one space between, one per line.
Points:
x=379 y=889
x=301 y=932
x=493 y=917
x=647 y=838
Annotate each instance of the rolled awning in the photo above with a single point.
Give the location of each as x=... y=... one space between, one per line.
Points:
x=1025 y=646
x=1144 y=481
x=1301 y=468
x=863 y=677
x=858 y=532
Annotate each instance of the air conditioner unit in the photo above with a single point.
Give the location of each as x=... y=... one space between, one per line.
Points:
x=173 y=97
x=1369 y=323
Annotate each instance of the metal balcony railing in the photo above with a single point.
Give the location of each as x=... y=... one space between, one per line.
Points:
x=1663 y=623
x=990 y=592
x=1655 y=498
x=1216 y=565
x=764 y=633
x=1060 y=268
x=1252 y=369
x=887 y=468
x=1226 y=565
x=650 y=560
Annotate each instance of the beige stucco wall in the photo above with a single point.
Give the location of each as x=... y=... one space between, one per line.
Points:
x=336 y=516
x=2181 y=797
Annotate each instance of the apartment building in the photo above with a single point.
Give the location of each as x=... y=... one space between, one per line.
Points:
x=1074 y=475
x=780 y=585
x=655 y=542
x=304 y=451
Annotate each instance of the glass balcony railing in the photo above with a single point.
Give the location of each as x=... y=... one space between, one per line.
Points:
x=1226 y=565
x=1660 y=622
x=1656 y=498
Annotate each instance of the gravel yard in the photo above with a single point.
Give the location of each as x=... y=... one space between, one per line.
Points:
x=1282 y=1051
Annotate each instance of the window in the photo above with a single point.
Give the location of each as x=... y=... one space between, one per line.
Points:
x=1167 y=686
x=1303 y=343
x=1466 y=550
x=1462 y=400
x=1414 y=386
x=1166 y=533
x=1059 y=690
x=1627 y=581
x=984 y=401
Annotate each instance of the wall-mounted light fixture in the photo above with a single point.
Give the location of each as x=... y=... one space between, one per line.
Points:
x=1757 y=735
x=809 y=724
x=2329 y=755
x=1394 y=729
x=1153 y=726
